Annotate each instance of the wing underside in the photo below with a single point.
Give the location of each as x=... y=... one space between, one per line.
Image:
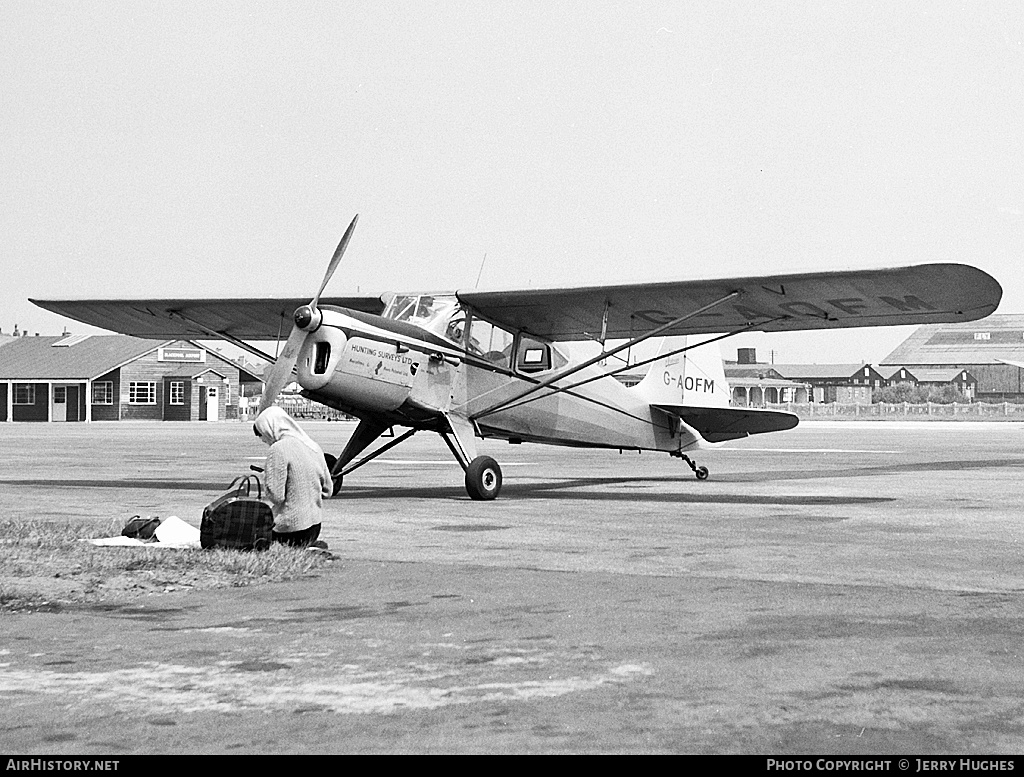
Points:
x=245 y=319
x=921 y=294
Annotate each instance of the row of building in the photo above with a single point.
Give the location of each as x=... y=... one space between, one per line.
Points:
x=755 y=384
x=116 y=377
x=981 y=360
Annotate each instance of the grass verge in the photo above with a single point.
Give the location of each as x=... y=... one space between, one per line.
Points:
x=44 y=565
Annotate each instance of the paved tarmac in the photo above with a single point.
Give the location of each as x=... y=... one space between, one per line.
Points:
x=842 y=588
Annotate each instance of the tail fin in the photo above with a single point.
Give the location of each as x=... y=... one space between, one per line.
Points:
x=694 y=378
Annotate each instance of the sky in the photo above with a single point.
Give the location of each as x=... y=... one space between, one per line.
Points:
x=173 y=149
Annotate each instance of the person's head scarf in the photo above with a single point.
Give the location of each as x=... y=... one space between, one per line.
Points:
x=274 y=424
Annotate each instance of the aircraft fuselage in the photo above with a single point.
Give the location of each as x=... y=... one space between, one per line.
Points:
x=374 y=367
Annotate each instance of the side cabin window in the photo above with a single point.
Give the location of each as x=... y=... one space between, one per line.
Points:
x=489 y=341
x=535 y=356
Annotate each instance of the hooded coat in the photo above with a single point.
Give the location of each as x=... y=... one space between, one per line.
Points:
x=296 y=474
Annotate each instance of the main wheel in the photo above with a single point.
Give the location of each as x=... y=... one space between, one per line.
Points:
x=483 y=478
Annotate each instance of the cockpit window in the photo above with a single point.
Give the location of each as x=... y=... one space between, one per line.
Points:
x=435 y=313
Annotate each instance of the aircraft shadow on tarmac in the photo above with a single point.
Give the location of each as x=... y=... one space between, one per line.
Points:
x=573 y=488
x=568 y=489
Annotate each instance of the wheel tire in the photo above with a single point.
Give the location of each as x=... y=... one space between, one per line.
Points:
x=331 y=461
x=702 y=473
x=483 y=478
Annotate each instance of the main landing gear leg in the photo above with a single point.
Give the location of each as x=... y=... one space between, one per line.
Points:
x=366 y=432
x=701 y=472
x=483 y=475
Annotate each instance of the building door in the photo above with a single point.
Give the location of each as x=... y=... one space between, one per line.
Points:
x=66 y=403
x=72 y=405
x=212 y=403
x=60 y=404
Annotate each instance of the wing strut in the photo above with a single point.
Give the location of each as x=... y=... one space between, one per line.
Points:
x=601 y=356
x=617 y=370
x=225 y=336
x=382 y=449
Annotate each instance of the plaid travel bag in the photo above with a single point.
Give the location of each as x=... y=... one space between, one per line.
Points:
x=238 y=520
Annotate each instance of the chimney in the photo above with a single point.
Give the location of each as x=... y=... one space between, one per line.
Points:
x=746 y=355
x=16 y=332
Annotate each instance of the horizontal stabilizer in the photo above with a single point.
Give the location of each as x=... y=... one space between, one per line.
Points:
x=718 y=424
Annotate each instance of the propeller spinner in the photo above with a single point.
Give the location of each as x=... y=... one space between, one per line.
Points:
x=305 y=320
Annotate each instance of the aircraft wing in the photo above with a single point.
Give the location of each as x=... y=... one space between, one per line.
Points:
x=245 y=319
x=920 y=294
x=717 y=424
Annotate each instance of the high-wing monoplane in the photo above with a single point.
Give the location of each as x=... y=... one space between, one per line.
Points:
x=491 y=364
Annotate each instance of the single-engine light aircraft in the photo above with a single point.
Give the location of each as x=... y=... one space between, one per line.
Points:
x=489 y=364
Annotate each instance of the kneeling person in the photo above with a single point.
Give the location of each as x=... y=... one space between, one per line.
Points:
x=296 y=477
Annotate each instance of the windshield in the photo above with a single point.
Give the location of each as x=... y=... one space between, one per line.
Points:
x=439 y=314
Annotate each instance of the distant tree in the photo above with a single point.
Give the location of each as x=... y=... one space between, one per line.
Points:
x=948 y=394
x=918 y=395
x=901 y=392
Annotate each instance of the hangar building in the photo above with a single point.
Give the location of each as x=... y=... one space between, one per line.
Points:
x=981 y=348
x=116 y=377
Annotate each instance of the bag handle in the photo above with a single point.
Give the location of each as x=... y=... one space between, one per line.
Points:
x=245 y=482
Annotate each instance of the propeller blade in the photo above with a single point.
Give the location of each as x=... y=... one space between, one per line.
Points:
x=280 y=373
x=335 y=260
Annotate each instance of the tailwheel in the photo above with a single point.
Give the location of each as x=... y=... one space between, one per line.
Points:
x=483 y=478
x=701 y=472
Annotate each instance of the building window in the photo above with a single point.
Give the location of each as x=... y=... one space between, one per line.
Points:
x=60 y=395
x=103 y=393
x=177 y=392
x=24 y=394
x=141 y=393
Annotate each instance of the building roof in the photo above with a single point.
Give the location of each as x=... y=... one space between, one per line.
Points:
x=925 y=375
x=749 y=371
x=763 y=383
x=975 y=342
x=820 y=371
x=38 y=358
x=79 y=358
x=893 y=373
